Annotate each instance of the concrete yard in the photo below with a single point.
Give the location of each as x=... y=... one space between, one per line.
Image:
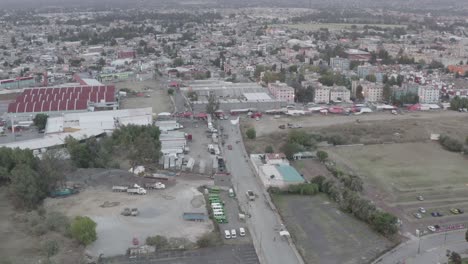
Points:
x=160 y=214
x=154 y=95
x=326 y=235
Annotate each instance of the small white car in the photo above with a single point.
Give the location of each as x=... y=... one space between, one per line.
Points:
x=418 y=215
x=227 y=235
x=431 y=228
x=241 y=231
x=422 y=210
x=233 y=233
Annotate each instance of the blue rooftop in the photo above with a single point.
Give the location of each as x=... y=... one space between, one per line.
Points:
x=289 y=174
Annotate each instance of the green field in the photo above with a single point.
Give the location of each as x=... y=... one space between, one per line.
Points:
x=324 y=234
x=337 y=26
x=406 y=167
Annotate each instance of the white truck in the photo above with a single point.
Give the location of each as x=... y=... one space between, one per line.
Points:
x=136 y=190
x=117 y=188
x=157 y=185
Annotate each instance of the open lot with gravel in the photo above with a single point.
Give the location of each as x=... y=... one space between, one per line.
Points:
x=324 y=234
x=154 y=94
x=160 y=211
x=395 y=174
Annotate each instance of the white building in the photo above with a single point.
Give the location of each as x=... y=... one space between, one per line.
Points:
x=322 y=95
x=281 y=91
x=372 y=92
x=428 y=94
x=340 y=93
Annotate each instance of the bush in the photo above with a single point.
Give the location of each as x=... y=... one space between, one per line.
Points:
x=304 y=189
x=160 y=242
x=269 y=149
x=322 y=155
x=450 y=144
x=209 y=240
x=251 y=133
x=50 y=248
x=170 y=91
x=58 y=222
x=83 y=229
x=289 y=149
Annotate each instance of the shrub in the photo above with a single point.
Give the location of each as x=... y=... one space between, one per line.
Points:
x=251 y=133
x=50 y=248
x=289 y=149
x=450 y=144
x=269 y=149
x=304 y=189
x=160 y=242
x=322 y=155
x=209 y=240
x=83 y=229
x=170 y=91
x=58 y=222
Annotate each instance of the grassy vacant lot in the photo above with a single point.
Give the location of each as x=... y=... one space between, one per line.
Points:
x=405 y=167
x=338 y=26
x=324 y=234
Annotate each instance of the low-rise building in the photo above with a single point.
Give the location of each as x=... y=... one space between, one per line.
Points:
x=428 y=94
x=340 y=94
x=281 y=91
x=372 y=92
x=339 y=64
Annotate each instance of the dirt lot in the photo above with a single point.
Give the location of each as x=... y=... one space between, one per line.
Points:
x=395 y=174
x=371 y=129
x=311 y=168
x=158 y=97
x=160 y=211
x=324 y=234
x=20 y=246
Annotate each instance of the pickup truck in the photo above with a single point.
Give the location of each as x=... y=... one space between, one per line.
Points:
x=250 y=195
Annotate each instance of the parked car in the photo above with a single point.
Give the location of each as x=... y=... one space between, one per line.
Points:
x=420 y=198
x=460 y=211
x=454 y=211
x=233 y=233
x=434 y=214
x=227 y=234
x=230 y=147
x=241 y=231
x=418 y=215
x=431 y=228
x=422 y=210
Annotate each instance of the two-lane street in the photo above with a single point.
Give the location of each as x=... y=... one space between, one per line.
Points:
x=264 y=222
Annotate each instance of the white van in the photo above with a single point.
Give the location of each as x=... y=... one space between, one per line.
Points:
x=215 y=204
x=231 y=192
x=233 y=233
x=241 y=231
x=218 y=211
x=227 y=235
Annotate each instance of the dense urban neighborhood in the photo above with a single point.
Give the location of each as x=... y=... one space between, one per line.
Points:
x=243 y=132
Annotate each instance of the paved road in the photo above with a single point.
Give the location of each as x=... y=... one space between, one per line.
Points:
x=264 y=222
x=432 y=249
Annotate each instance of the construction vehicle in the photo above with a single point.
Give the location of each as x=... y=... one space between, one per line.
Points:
x=117 y=188
x=157 y=185
x=136 y=189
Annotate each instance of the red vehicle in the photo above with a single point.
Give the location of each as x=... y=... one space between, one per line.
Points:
x=230 y=147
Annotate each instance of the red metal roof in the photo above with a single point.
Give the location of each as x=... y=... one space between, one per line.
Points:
x=60 y=99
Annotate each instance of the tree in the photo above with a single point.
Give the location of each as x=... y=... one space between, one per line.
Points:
x=269 y=149
x=359 y=94
x=387 y=92
x=251 y=133
x=177 y=62
x=83 y=229
x=213 y=104
x=170 y=91
x=40 y=121
x=192 y=95
x=455 y=258
x=384 y=223
x=50 y=248
x=301 y=138
x=52 y=169
x=27 y=187
x=289 y=149
x=371 y=78
x=322 y=155
x=160 y=242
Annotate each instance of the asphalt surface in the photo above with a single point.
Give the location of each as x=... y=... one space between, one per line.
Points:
x=264 y=222
x=431 y=248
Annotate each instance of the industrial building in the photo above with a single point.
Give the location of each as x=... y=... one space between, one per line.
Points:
x=274 y=170
x=60 y=100
x=17 y=83
x=82 y=126
x=233 y=96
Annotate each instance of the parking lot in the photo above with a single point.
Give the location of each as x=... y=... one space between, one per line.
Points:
x=160 y=213
x=231 y=208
